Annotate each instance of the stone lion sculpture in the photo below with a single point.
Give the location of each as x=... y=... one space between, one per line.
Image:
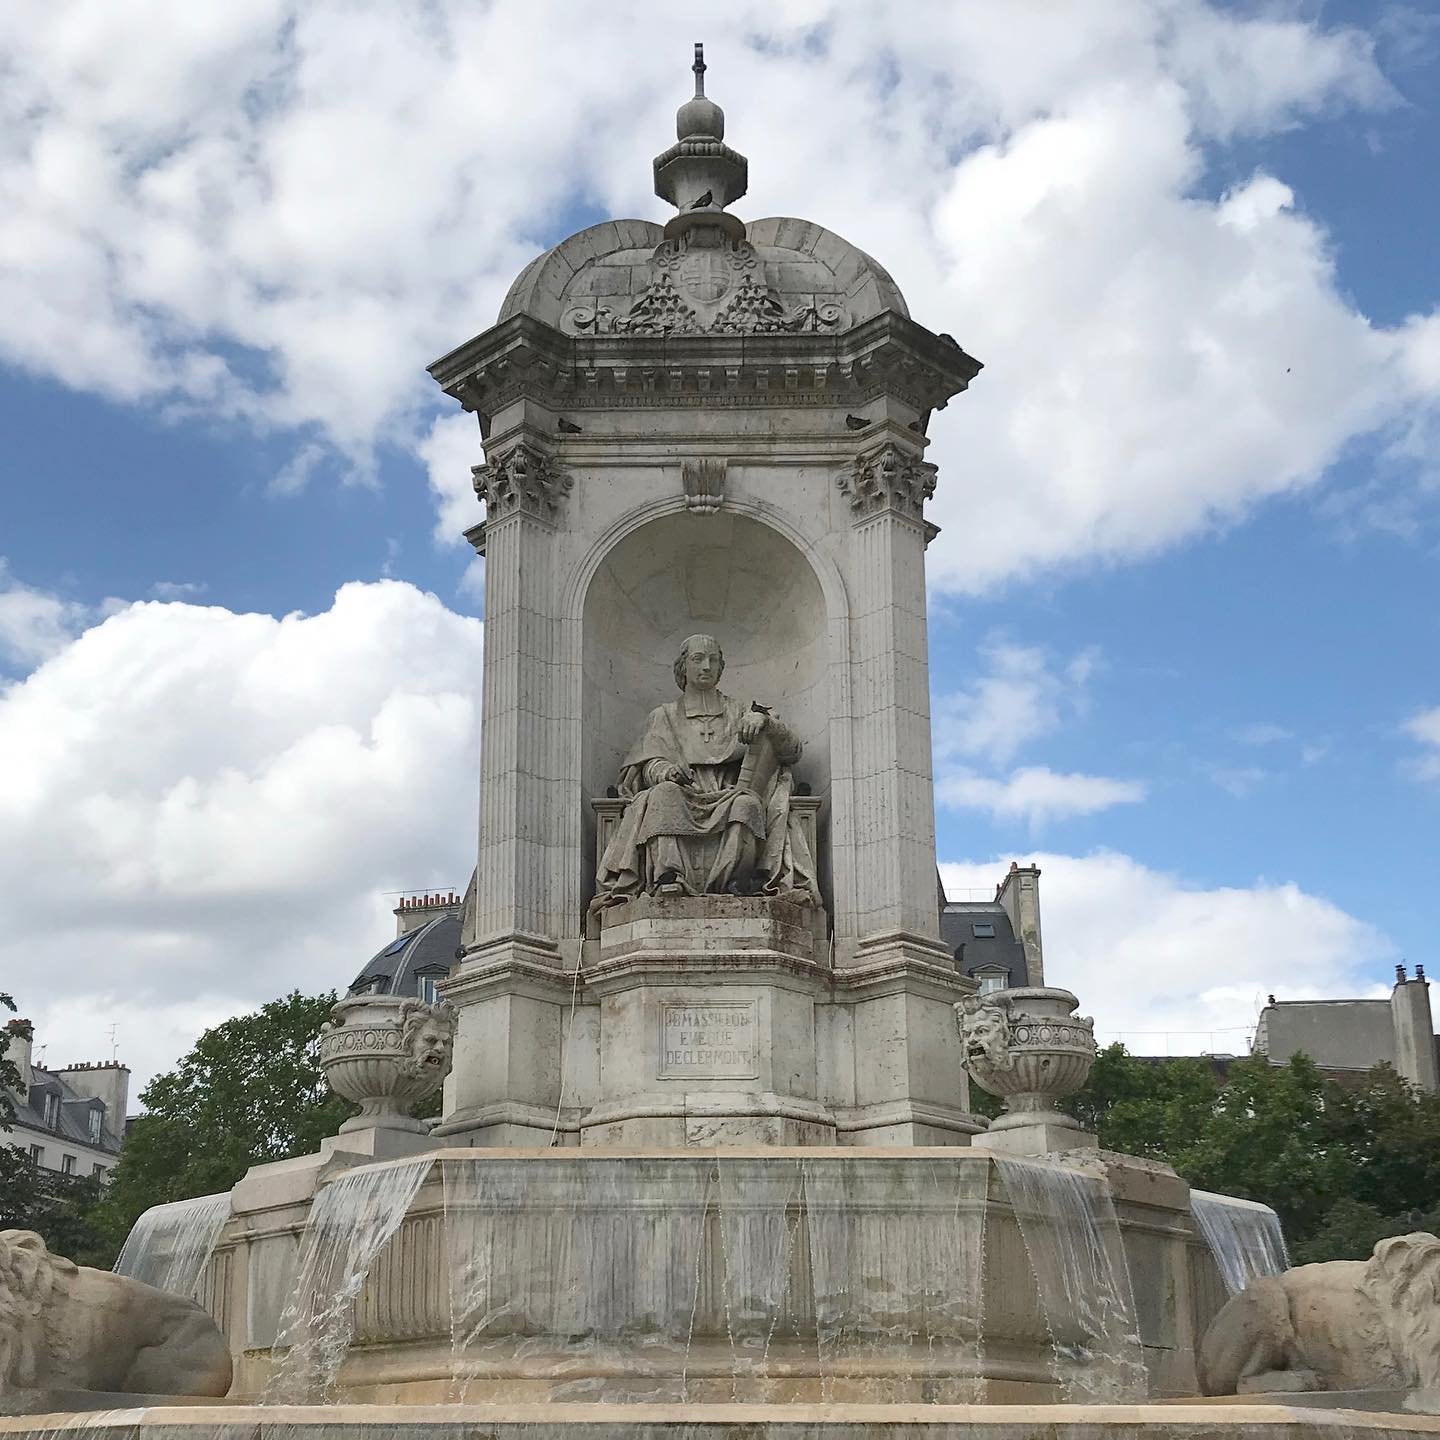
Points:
x=67 y=1327
x=1344 y=1325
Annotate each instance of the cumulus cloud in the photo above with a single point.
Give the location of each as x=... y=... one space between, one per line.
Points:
x=1022 y=696
x=1177 y=968
x=205 y=809
x=209 y=211
x=34 y=623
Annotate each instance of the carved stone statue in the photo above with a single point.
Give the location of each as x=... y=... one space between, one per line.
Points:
x=67 y=1327
x=1344 y=1325
x=708 y=784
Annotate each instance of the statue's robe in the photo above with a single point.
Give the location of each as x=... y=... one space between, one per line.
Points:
x=708 y=833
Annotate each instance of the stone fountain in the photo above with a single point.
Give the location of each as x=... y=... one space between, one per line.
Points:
x=707 y=1160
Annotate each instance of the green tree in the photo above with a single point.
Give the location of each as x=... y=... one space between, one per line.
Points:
x=251 y=1090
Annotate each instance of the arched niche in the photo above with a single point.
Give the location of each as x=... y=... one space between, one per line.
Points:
x=724 y=574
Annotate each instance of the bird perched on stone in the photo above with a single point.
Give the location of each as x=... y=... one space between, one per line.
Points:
x=567 y=427
x=855 y=422
x=708 y=198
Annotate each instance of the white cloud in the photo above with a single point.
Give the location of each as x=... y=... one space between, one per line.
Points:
x=1037 y=794
x=1023 y=697
x=34 y=624
x=1425 y=727
x=204 y=809
x=1261 y=732
x=448 y=450
x=216 y=211
x=1177 y=968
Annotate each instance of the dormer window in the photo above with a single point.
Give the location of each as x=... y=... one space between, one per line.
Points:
x=983 y=930
x=991 y=978
x=51 y=1113
x=427 y=987
x=97 y=1121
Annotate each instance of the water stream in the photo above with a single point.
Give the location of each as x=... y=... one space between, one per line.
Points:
x=170 y=1245
x=1244 y=1237
x=351 y=1221
x=1070 y=1229
x=715 y=1278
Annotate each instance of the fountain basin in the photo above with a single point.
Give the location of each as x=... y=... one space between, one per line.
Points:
x=766 y=1275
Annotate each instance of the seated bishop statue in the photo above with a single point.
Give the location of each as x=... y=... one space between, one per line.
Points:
x=708 y=786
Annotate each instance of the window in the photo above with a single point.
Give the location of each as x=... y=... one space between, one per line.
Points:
x=97 y=1170
x=983 y=930
x=991 y=981
x=97 y=1119
x=427 y=990
x=67 y=1164
x=52 y=1109
x=37 y=1154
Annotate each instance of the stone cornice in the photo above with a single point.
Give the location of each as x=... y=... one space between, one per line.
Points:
x=524 y=358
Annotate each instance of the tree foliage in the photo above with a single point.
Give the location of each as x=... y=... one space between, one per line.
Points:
x=250 y=1090
x=1342 y=1165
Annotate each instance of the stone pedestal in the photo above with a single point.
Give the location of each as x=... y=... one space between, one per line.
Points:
x=708 y=1023
x=1041 y=1138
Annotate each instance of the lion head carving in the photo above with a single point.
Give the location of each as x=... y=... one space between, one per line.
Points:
x=1342 y=1325
x=984 y=1032
x=427 y=1035
x=67 y=1327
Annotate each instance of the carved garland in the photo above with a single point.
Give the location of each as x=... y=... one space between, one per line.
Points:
x=524 y=479
x=888 y=479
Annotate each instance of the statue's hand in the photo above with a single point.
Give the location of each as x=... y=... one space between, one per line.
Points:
x=681 y=775
x=751 y=725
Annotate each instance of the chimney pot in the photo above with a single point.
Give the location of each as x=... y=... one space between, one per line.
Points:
x=1399 y=974
x=1419 y=972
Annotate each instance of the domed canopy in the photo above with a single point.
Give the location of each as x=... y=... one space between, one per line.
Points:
x=786 y=275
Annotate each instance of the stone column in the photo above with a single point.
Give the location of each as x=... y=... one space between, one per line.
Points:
x=909 y=1085
x=511 y=986
x=894 y=813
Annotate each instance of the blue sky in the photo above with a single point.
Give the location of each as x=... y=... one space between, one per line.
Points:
x=1183 y=613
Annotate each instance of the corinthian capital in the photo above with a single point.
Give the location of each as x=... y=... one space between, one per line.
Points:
x=524 y=479
x=887 y=478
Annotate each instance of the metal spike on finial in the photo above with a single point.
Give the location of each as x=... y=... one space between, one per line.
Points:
x=699 y=67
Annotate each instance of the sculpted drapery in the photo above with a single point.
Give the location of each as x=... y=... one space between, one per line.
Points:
x=709 y=784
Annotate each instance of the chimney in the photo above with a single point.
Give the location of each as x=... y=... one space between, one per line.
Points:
x=107 y=1081
x=1019 y=897
x=1414 y=1029
x=20 y=1035
x=416 y=910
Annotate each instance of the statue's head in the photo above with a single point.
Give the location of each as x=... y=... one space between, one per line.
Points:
x=984 y=1033
x=428 y=1033
x=700 y=663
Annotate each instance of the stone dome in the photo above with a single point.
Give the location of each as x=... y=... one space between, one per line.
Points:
x=623 y=276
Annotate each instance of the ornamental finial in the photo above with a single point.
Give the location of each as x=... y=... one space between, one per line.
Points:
x=701 y=175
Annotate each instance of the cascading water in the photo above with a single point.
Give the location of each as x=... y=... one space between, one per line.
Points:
x=352 y=1220
x=896 y=1259
x=1073 y=1237
x=1244 y=1237
x=170 y=1245
x=716 y=1278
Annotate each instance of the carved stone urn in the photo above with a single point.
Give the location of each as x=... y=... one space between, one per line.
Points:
x=385 y=1052
x=1027 y=1046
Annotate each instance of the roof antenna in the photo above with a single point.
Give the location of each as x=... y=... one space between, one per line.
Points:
x=114 y=1047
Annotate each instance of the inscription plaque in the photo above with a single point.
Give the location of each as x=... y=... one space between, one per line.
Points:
x=710 y=1041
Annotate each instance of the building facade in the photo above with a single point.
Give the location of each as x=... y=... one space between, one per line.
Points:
x=1349 y=1037
x=69 y=1120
